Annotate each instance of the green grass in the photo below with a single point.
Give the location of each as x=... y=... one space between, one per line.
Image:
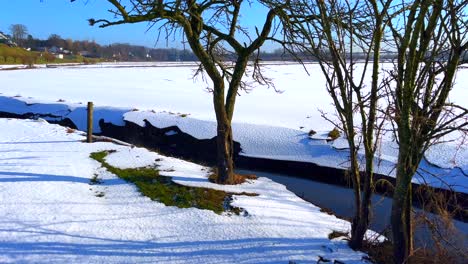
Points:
x=163 y=189
x=17 y=55
x=334 y=134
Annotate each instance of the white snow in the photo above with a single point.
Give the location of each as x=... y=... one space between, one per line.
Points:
x=51 y=214
x=172 y=89
x=267 y=124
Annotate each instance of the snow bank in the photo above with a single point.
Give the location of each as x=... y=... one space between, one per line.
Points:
x=52 y=214
x=267 y=124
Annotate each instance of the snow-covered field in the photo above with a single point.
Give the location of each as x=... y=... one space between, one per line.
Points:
x=266 y=123
x=51 y=214
x=173 y=89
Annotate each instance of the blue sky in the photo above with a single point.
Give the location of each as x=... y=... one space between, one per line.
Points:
x=69 y=20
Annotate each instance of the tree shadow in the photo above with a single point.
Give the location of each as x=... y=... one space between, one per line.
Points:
x=253 y=250
x=39 y=142
x=22 y=158
x=36 y=177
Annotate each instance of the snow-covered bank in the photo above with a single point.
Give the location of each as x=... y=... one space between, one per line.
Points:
x=267 y=124
x=51 y=213
x=275 y=143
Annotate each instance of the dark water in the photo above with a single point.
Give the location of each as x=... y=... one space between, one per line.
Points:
x=340 y=200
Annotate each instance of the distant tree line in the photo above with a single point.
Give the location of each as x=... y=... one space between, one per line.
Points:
x=117 y=51
x=128 y=52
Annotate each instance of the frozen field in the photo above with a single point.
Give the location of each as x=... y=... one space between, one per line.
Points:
x=173 y=89
x=51 y=213
x=266 y=123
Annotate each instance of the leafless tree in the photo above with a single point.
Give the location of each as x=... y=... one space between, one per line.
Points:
x=19 y=33
x=215 y=33
x=430 y=37
x=337 y=33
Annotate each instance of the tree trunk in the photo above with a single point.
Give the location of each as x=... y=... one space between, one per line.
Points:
x=359 y=228
x=409 y=241
x=357 y=223
x=401 y=219
x=224 y=139
x=362 y=221
x=224 y=142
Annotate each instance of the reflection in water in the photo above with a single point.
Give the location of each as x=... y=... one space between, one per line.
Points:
x=340 y=200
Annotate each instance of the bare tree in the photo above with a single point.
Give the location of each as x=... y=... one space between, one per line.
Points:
x=345 y=37
x=55 y=40
x=430 y=37
x=214 y=32
x=19 y=33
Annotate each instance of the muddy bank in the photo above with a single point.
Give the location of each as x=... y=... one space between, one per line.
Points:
x=171 y=141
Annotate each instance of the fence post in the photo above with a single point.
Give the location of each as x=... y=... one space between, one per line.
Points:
x=89 y=137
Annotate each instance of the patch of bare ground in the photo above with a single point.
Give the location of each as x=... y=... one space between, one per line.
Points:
x=238 y=178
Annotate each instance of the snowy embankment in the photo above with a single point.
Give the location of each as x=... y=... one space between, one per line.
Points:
x=51 y=213
x=267 y=124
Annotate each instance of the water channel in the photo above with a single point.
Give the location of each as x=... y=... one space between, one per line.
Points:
x=340 y=201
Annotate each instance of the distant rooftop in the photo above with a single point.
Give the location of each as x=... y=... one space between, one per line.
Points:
x=3 y=36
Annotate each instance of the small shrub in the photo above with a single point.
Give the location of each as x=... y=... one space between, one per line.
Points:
x=312 y=132
x=334 y=134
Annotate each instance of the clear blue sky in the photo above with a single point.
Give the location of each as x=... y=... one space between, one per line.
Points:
x=69 y=20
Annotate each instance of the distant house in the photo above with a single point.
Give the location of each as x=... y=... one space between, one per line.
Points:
x=2 y=36
x=5 y=39
x=40 y=49
x=55 y=50
x=58 y=52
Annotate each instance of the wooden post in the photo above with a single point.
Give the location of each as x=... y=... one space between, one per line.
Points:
x=89 y=137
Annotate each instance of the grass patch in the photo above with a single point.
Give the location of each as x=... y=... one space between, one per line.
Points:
x=334 y=134
x=163 y=189
x=17 y=55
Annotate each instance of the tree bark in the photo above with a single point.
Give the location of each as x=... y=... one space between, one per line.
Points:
x=358 y=230
x=402 y=229
x=225 y=164
x=224 y=138
x=362 y=219
x=357 y=223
